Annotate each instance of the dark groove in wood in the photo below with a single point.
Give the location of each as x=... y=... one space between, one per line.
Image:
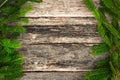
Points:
x=85 y=44
x=53 y=71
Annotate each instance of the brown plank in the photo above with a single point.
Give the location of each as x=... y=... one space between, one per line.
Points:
x=61 y=34
x=53 y=76
x=57 y=57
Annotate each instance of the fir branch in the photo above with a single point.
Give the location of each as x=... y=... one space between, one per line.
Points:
x=110 y=32
x=11 y=28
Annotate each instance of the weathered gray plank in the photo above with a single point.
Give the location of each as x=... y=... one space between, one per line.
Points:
x=38 y=38
x=61 y=34
x=53 y=76
x=57 y=57
x=58 y=8
x=60 y=12
x=54 y=24
x=62 y=21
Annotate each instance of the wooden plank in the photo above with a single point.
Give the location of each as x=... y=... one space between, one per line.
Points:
x=61 y=21
x=58 y=57
x=58 y=8
x=55 y=26
x=60 y=12
x=53 y=76
x=61 y=34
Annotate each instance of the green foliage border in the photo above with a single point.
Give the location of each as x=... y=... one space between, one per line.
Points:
x=107 y=14
x=11 y=28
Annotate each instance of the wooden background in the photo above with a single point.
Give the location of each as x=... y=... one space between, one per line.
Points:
x=58 y=39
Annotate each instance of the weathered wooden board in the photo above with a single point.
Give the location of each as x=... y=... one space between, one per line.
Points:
x=53 y=76
x=60 y=12
x=58 y=40
x=58 y=57
x=58 y=8
x=61 y=21
x=59 y=37
x=61 y=34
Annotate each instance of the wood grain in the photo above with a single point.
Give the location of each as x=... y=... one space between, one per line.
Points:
x=58 y=57
x=60 y=12
x=57 y=8
x=61 y=34
x=58 y=38
x=53 y=76
x=61 y=21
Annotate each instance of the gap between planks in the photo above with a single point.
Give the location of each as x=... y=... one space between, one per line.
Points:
x=58 y=70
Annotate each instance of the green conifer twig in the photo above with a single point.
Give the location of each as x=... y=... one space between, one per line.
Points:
x=11 y=61
x=110 y=32
x=3 y=3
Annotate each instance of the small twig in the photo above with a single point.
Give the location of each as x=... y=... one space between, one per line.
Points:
x=3 y=3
